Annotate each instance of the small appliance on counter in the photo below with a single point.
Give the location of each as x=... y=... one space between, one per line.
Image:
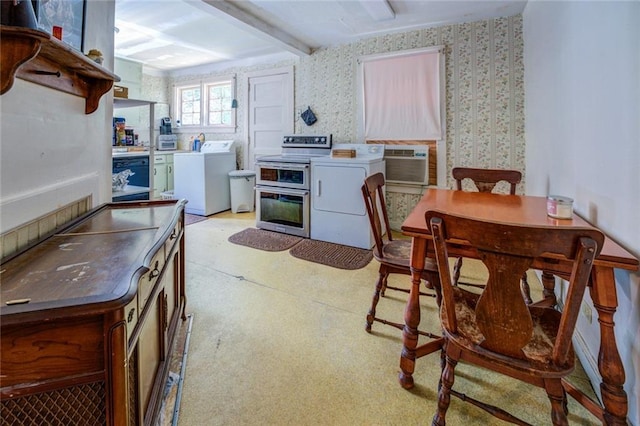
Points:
x=166 y=140
x=165 y=126
x=167 y=143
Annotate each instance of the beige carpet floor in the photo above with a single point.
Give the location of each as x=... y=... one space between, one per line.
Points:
x=277 y=340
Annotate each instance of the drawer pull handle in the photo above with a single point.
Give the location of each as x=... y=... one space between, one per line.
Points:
x=174 y=235
x=17 y=301
x=130 y=316
x=155 y=271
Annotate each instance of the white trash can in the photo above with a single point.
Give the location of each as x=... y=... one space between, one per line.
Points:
x=167 y=195
x=242 y=190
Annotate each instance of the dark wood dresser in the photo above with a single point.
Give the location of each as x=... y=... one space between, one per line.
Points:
x=88 y=317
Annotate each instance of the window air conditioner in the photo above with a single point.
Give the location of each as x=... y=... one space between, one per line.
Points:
x=407 y=164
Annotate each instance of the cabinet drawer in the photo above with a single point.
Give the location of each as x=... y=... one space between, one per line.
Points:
x=159 y=159
x=148 y=280
x=131 y=316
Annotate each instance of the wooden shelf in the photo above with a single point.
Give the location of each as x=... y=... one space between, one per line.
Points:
x=129 y=103
x=36 y=56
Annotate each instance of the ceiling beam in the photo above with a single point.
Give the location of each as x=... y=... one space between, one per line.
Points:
x=380 y=10
x=261 y=28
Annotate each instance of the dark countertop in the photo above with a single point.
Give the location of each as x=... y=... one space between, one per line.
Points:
x=95 y=260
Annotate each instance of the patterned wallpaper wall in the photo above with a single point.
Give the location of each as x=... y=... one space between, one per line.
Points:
x=484 y=93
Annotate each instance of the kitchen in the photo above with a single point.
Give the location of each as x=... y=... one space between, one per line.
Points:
x=49 y=166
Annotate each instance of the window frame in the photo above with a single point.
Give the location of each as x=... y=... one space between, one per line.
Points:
x=204 y=86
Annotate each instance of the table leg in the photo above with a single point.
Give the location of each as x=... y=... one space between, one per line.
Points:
x=412 y=315
x=614 y=398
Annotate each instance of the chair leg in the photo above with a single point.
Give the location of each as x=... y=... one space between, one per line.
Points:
x=457 y=267
x=443 y=362
x=526 y=290
x=381 y=284
x=383 y=288
x=444 y=392
x=557 y=396
x=433 y=282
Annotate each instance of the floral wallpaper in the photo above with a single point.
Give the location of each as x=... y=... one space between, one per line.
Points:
x=484 y=93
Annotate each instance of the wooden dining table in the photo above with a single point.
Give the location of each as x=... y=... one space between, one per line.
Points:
x=524 y=210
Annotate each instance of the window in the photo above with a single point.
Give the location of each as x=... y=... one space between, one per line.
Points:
x=206 y=105
x=401 y=96
x=219 y=104
x=189 y=106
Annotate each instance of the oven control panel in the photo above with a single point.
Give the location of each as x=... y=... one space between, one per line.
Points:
x=306 y=141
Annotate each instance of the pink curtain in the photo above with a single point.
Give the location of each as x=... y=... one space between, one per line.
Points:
x=402 y=97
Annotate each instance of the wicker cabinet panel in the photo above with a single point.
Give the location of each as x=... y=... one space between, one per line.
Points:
x=149 y=352
x=79 y=405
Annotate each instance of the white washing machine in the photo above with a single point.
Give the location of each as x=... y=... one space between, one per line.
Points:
x=202 y=178
x=338 y=213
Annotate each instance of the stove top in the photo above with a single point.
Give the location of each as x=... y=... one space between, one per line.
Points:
x=307 y=141
x=300 y=149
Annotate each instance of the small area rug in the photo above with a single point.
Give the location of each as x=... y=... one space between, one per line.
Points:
x=264 y=240
x=330 y=254
x=193 y=218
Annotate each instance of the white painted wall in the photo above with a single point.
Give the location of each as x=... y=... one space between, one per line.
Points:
x=582 y=131
x=51 y=152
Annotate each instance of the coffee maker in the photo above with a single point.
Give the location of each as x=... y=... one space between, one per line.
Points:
x=165 y=126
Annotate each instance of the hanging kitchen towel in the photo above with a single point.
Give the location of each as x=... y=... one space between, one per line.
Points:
x=309 y=117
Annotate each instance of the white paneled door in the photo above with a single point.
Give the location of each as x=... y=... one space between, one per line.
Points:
x=270 y=112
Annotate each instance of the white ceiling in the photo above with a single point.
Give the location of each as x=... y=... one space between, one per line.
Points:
x=174 y=34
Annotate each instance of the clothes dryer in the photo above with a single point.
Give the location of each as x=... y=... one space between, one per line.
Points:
x=338 y=213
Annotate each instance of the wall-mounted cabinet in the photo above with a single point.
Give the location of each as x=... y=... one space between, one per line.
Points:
x=130 y=73
x=36 y=56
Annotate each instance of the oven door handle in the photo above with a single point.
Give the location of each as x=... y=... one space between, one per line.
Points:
x=287 y=166
x=277 y=190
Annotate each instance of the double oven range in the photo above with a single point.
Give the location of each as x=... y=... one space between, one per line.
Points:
x=283 y=184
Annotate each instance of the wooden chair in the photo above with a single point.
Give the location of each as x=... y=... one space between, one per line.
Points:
x=497 y=330
x=485 y=180
x=393 y=255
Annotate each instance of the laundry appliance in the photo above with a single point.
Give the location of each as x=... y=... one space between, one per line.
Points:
x=202 y=178
x=338 y=214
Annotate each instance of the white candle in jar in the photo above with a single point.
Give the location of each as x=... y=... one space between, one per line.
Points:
x=559 y=207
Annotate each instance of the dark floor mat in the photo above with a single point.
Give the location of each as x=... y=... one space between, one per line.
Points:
x=330 y=254
x=264 y=240
x=193 y=218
